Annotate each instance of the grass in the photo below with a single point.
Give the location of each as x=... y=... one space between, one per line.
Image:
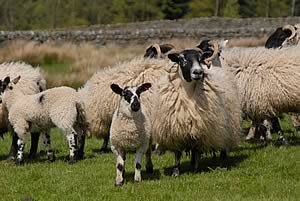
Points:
x=252 y=172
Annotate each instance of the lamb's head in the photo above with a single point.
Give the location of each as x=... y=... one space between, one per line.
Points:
x=7 y=85
x=191 y=63
x=130 y=96
x=158 y=51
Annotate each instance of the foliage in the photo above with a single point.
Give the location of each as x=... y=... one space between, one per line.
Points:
x=46 y=14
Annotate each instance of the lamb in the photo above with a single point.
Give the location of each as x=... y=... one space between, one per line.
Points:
x=32 y=82
x=268 y=80
x=198 y=108
x=100 y=103
x=60 y=107
x=130 y=128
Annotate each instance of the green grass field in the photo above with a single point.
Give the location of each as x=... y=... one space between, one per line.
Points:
x=252 y=172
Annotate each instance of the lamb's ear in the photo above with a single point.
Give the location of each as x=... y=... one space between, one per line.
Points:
x=175 y=57
x=5 y=82
x=116 y=89
x=143 y=87
x=16 y=80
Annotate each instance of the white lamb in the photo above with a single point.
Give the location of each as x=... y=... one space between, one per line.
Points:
x=32 y=82
x=60 y=107
x=130 y=128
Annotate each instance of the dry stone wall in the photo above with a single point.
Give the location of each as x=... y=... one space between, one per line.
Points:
x=197 y=28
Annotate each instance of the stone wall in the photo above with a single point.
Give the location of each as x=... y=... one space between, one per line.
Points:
x=157 y=30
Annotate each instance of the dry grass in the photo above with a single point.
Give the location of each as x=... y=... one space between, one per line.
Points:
x=73 y=64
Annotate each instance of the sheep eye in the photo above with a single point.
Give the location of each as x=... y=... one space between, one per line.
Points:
x=10 y=87
x=127 y=96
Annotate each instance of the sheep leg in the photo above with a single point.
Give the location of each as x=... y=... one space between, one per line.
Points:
x=295 y=120
x=120 y=166
x=177 y=163
x=20 y=153
x=81 y=143
x=13 y=148
x=149 y=164
x=196 y=155
x=251 y=132
x=104 y=146
x=34 y=145
x=72 y=147
x=47 y=144
x=138 y=166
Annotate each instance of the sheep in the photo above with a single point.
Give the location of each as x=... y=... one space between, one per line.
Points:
x=198 y=109
x=158 y=50
x=32 y=82
x=284 y=36
x=268 y=80
x=100 y=102
x=130 y=129
x=60 y=107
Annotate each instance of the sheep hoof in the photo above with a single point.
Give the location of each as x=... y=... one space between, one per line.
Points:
x=10 y=158
x=104 y=151
x=175 y=172
x=72 y=160
x=51 y=158
x=149 y=169
x=223 y=154
x=32 y=156
x=80 y=156
x=283 y=141
x=119 y=184
x=19 y=162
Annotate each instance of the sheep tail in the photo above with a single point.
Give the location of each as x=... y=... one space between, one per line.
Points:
x=81 y=118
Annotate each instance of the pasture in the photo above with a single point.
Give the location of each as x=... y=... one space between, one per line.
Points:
x=251 y=172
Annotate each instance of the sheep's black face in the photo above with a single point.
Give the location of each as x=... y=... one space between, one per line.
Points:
x=131 y=95
x=277 y=38
x=190 y=63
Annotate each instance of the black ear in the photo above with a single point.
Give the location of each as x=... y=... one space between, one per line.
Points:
x=5 y=82
x=16 y=80
x=151 y=52
x=143 y=87
x=116 y=89
x=164 y=48
x=175 y=57
x=204 y=45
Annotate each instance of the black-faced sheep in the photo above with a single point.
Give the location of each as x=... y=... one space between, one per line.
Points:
x=198 y=109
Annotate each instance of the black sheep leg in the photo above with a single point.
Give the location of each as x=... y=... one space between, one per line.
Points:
x=34 y=145
x=13 y=148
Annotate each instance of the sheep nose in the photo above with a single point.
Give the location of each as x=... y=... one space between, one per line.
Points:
x=135 y=106
x=197 y=74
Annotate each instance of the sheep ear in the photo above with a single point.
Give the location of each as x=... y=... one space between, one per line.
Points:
x=151 y=52
x=164 y=48
x=6 y=80
x=175 y=57
x=115 y=88
x=143 y=87
x=16 y=80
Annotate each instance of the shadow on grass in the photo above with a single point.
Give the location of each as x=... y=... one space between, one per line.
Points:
x=99 y=151
x=129 y=176
x=208 y=165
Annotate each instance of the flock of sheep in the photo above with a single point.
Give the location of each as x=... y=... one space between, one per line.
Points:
x=190 y=100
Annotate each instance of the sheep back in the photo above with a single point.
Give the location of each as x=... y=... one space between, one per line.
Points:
x=100 y=102
x=268 y=79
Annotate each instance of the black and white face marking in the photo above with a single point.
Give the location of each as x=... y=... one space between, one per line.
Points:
x=190 y=64
x=131 y=95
